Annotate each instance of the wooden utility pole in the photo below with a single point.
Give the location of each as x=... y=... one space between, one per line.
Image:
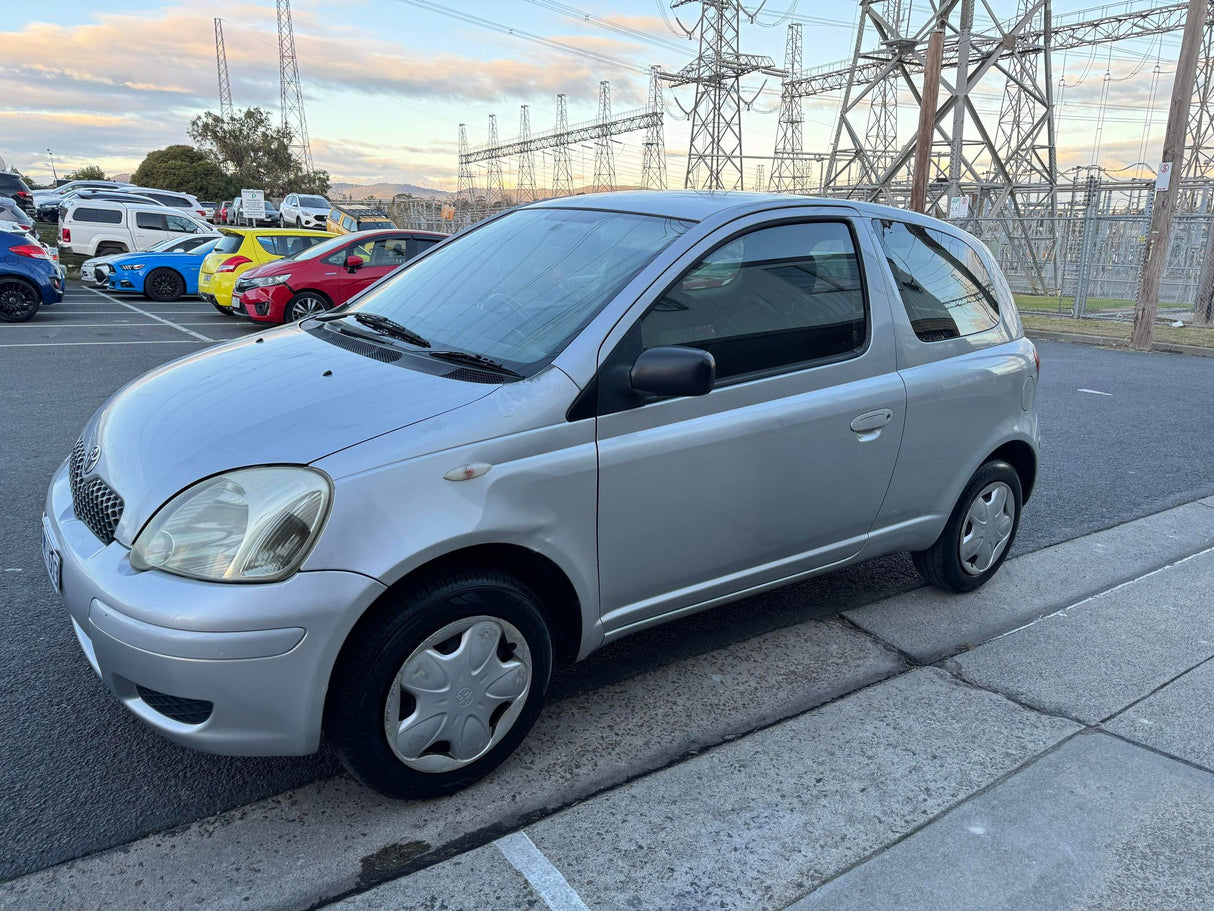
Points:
x=1167 y=186
x=927 y=120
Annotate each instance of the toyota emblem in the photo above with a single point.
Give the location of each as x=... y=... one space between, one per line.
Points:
x=90 y=461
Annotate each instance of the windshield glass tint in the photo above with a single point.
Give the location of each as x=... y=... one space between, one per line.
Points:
x=314 y=202
x=519 y=288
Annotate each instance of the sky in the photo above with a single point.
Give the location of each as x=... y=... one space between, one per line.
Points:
x=387 y=83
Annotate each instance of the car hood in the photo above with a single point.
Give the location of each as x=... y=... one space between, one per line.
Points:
x=282 y=397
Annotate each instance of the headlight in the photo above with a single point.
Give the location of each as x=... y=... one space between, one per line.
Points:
x=249 y=525
x=262 y=280
x=134 y=267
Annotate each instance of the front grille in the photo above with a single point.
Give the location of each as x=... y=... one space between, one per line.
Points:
x=94 y=501
x=187 y=711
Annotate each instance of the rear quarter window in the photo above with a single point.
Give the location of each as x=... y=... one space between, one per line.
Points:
x=941 y=279
x=230 y=244
x=97 y=216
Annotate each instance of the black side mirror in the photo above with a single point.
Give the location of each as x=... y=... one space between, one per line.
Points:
x=672 y=371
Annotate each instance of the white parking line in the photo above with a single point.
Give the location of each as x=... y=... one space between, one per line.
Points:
x=167 y=341
x=159 y=319
x=545 y=879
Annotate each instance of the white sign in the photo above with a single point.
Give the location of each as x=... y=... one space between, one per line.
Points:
x=1164 y=179
x=253 y=204
x=959 y=207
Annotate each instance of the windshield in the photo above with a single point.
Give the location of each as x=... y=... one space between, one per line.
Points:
x=519 y=288
x=314 y=202
x=321 y=248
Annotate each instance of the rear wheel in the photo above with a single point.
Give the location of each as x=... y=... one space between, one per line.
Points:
x=979 y=533
x=164 y=285
x=226 y=311
x=304 y=304
x=437 y=689
x=19 y=300
x=109 y=249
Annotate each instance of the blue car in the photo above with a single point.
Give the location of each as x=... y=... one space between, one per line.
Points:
x=29 y=277
x=162 y=275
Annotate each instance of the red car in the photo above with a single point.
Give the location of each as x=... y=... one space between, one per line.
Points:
x=326 y=275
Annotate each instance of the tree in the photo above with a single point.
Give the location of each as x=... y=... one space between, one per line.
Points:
x=187 y=170
x=88 y=172
x=255 y=153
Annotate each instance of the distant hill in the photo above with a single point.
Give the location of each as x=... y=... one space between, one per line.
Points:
x=382 y=190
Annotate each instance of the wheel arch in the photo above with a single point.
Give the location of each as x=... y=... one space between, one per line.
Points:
x=1022 y=457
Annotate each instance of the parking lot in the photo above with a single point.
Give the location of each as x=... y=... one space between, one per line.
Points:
x=79 y=774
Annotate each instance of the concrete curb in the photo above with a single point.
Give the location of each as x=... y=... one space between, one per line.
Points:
x=1107 y=341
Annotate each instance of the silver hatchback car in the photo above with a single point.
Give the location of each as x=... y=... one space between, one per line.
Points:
x=574 y=421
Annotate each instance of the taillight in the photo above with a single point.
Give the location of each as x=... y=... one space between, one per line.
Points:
x=202 y=212
x=232 y=263
x=31 y=250
x=1037 y=358
x=22 y=193
x=66 y=234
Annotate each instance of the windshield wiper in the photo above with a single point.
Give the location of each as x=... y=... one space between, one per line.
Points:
x=474 y=360
x=390 y=327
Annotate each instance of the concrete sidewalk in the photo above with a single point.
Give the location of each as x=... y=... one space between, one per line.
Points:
x=1044 y=742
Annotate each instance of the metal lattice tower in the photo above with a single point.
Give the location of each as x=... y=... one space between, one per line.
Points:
x=526 y=158
x=221 y=64
x=466 y=190
x=714 y=156
x=881 y=134
x=562 y=173
x=604 y=155
x=788 y=168
x=1199 y=155
x=653 y=158
x=292 y=106
x=495 y=191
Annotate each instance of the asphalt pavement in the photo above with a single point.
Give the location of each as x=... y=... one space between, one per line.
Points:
x=1124 y=436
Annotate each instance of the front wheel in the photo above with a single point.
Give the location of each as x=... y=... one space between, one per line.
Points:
x=979 y=533
x=304 y=304
x=19 y=300
x=164 y=285
x=435 y=691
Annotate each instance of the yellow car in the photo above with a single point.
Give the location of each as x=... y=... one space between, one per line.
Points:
x=243 y=248
x=346 y=218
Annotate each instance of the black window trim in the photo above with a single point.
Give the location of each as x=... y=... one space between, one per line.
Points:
x=586 y=404
x=948 y=257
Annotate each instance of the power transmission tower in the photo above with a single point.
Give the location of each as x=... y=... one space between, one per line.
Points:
x=562 y=173
x=221 y=64
x=604 y=155
x=292 y=106
x=714 y=156
x=1199 y=160
x=881 y=134
x=760 y=183
x=495 y=192
x=653 y=159
x=526 y=158
x=465 y=193
x=788 y=168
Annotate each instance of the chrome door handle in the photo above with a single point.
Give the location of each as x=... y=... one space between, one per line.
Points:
x=869 y=424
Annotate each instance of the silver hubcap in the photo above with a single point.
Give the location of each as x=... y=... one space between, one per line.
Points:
x=987 y=528
x=458 y=694
x=306 y=306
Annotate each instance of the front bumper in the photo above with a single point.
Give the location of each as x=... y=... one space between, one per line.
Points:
x=265 y=304
x=251 y=661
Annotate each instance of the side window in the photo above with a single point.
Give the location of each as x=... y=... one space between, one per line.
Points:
x=777 y=297
x=181 y=225
x=418 y=245
x=99 y=216
x=150 y=221
x=387 y=251
x=941 y=279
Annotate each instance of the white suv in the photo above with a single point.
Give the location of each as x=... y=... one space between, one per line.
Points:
x=171 y=198
x=300 y=210
x=101 y=227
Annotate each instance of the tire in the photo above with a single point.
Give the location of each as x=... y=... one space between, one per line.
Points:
x=226 y=311
x=443 y=619
x=19 y=300
x=951 y=563
x=164 y=284
x=298 y=224
x=305 y=303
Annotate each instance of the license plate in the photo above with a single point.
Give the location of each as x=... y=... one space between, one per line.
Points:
x=50 y=556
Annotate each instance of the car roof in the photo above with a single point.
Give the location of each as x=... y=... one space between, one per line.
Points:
x=276 y=232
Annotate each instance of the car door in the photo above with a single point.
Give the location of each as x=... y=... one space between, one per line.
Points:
x=780 y=469
x=150 y=228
